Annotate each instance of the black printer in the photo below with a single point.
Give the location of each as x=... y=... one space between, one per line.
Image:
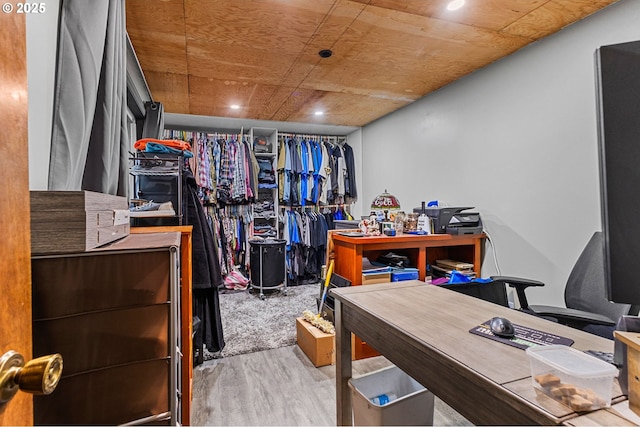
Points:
x=451 y=220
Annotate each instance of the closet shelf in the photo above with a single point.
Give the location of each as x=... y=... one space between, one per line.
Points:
x=153 y=173
x=157 y=177
x=169 y=213
x=265 y=216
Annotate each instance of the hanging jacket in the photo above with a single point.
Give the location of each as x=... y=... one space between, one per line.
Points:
x=350 y=192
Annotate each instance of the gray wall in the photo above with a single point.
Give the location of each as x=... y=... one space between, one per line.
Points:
x=518 y=141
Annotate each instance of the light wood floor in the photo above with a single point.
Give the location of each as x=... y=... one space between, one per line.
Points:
x=278 y=387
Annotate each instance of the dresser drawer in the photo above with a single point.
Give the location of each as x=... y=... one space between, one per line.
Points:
x=98 y=281
x=102 y=339
x=111 y=396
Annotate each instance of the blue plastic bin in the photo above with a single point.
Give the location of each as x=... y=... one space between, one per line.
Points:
x=404 y=274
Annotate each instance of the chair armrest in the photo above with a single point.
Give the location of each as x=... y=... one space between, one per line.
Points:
x=571 y=316
x=520 y=284
x=516 y=281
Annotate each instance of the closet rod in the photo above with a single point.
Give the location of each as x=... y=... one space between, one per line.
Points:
x=314 y=136
x=241 y=208
x=317 y=206
x=208 y=132
x=335 y=139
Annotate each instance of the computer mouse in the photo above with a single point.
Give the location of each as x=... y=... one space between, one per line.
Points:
x=502 y=327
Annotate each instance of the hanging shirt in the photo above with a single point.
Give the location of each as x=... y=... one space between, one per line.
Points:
x=203 y=164
x=296 y=169
x=280 y=168
x=239 y=188
x=304 y=158
x=342 y=171
x=308 y=196
x=350 y=192
x=317 y=162
x=288 y=171
x=248 y=167
x=325 y=172
x=225 y=177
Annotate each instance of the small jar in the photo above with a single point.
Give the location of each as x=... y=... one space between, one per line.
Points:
x=411 y=223
x=399 y=222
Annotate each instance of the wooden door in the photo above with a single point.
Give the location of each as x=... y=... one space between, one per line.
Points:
x=15 y=246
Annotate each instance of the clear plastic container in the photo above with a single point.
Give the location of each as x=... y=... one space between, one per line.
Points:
x=580 y=381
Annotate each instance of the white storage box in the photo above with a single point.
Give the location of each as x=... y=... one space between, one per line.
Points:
x=580 y=381
x=412 y=404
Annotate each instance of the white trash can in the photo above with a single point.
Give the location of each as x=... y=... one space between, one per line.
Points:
x=411 y=404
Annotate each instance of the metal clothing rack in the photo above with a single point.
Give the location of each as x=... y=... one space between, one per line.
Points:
x=157 y=177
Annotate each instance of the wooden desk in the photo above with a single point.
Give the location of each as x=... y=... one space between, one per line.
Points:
x=618 y=414
x=422 y=251
x=424 y=330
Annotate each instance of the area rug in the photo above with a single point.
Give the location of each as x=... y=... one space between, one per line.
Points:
x=250 y=324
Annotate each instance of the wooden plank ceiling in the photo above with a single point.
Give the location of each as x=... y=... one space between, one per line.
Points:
x=201 y=56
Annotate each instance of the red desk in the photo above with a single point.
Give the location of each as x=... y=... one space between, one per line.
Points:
x=422 y=250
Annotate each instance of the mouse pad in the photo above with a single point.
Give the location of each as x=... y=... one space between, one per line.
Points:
x=524 y=337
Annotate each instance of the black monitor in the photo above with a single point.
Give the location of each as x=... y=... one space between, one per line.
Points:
x=618 y=101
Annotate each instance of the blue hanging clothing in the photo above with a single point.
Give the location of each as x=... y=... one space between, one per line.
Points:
x=316 y=152
x=304 y=157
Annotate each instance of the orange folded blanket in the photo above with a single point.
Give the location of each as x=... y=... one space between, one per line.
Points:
x=173 y=143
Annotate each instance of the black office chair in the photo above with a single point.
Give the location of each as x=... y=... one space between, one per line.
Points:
x=587 y=306
x=495 y=291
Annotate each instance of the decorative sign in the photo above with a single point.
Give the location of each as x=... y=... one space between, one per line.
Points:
x=385 y=201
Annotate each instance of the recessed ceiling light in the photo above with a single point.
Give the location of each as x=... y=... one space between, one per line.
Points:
x=234 y=106
x=455 y=5
x=319 y=113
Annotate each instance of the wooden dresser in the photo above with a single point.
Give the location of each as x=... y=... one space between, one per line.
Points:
x=186 y=310
x=112 y=312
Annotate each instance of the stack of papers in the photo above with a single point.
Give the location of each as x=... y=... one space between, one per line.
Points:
x=369 y=268
x=444 y=268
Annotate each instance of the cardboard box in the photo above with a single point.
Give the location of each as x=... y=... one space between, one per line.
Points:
x=371 y=278
x=317 y=345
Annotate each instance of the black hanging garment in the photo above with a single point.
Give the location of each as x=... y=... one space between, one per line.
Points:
x=350 y=191
x=207 y=276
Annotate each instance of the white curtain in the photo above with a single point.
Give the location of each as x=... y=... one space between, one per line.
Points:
x=90 y=139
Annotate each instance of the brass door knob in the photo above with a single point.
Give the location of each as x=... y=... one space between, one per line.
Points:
x=38 y=376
